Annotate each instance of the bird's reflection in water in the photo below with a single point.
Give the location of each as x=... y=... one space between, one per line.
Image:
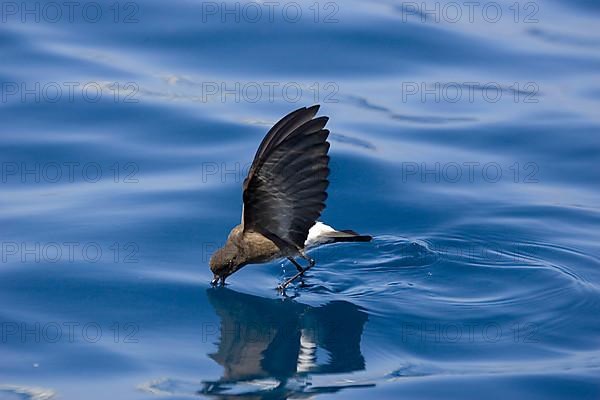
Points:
x=266 y=343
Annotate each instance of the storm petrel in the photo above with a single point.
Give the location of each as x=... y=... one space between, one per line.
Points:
x=284 y=195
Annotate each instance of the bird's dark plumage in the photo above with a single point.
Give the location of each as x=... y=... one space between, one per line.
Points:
x=285 y=191
x=284 y=195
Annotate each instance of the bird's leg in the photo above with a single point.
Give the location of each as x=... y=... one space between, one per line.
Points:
x=311 y=262
x=298 y=266
x=301 y=271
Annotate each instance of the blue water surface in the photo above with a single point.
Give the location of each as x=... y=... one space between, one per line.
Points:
x=465 y=140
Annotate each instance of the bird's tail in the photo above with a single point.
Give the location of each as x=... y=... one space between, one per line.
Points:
x=322 y=234
x=347 y=235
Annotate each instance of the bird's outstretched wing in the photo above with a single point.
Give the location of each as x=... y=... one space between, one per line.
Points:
x=285 y=191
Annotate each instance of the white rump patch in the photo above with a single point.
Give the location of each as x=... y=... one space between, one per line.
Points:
x=317 y=234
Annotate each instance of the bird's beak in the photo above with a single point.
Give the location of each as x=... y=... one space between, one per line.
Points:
x=215 y=280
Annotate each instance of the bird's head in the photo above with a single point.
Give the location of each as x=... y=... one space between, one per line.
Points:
x=224 y=262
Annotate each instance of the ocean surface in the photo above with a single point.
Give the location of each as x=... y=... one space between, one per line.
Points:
x=465 y=137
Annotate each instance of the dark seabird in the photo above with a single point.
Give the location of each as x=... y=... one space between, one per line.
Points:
x=284 y=195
